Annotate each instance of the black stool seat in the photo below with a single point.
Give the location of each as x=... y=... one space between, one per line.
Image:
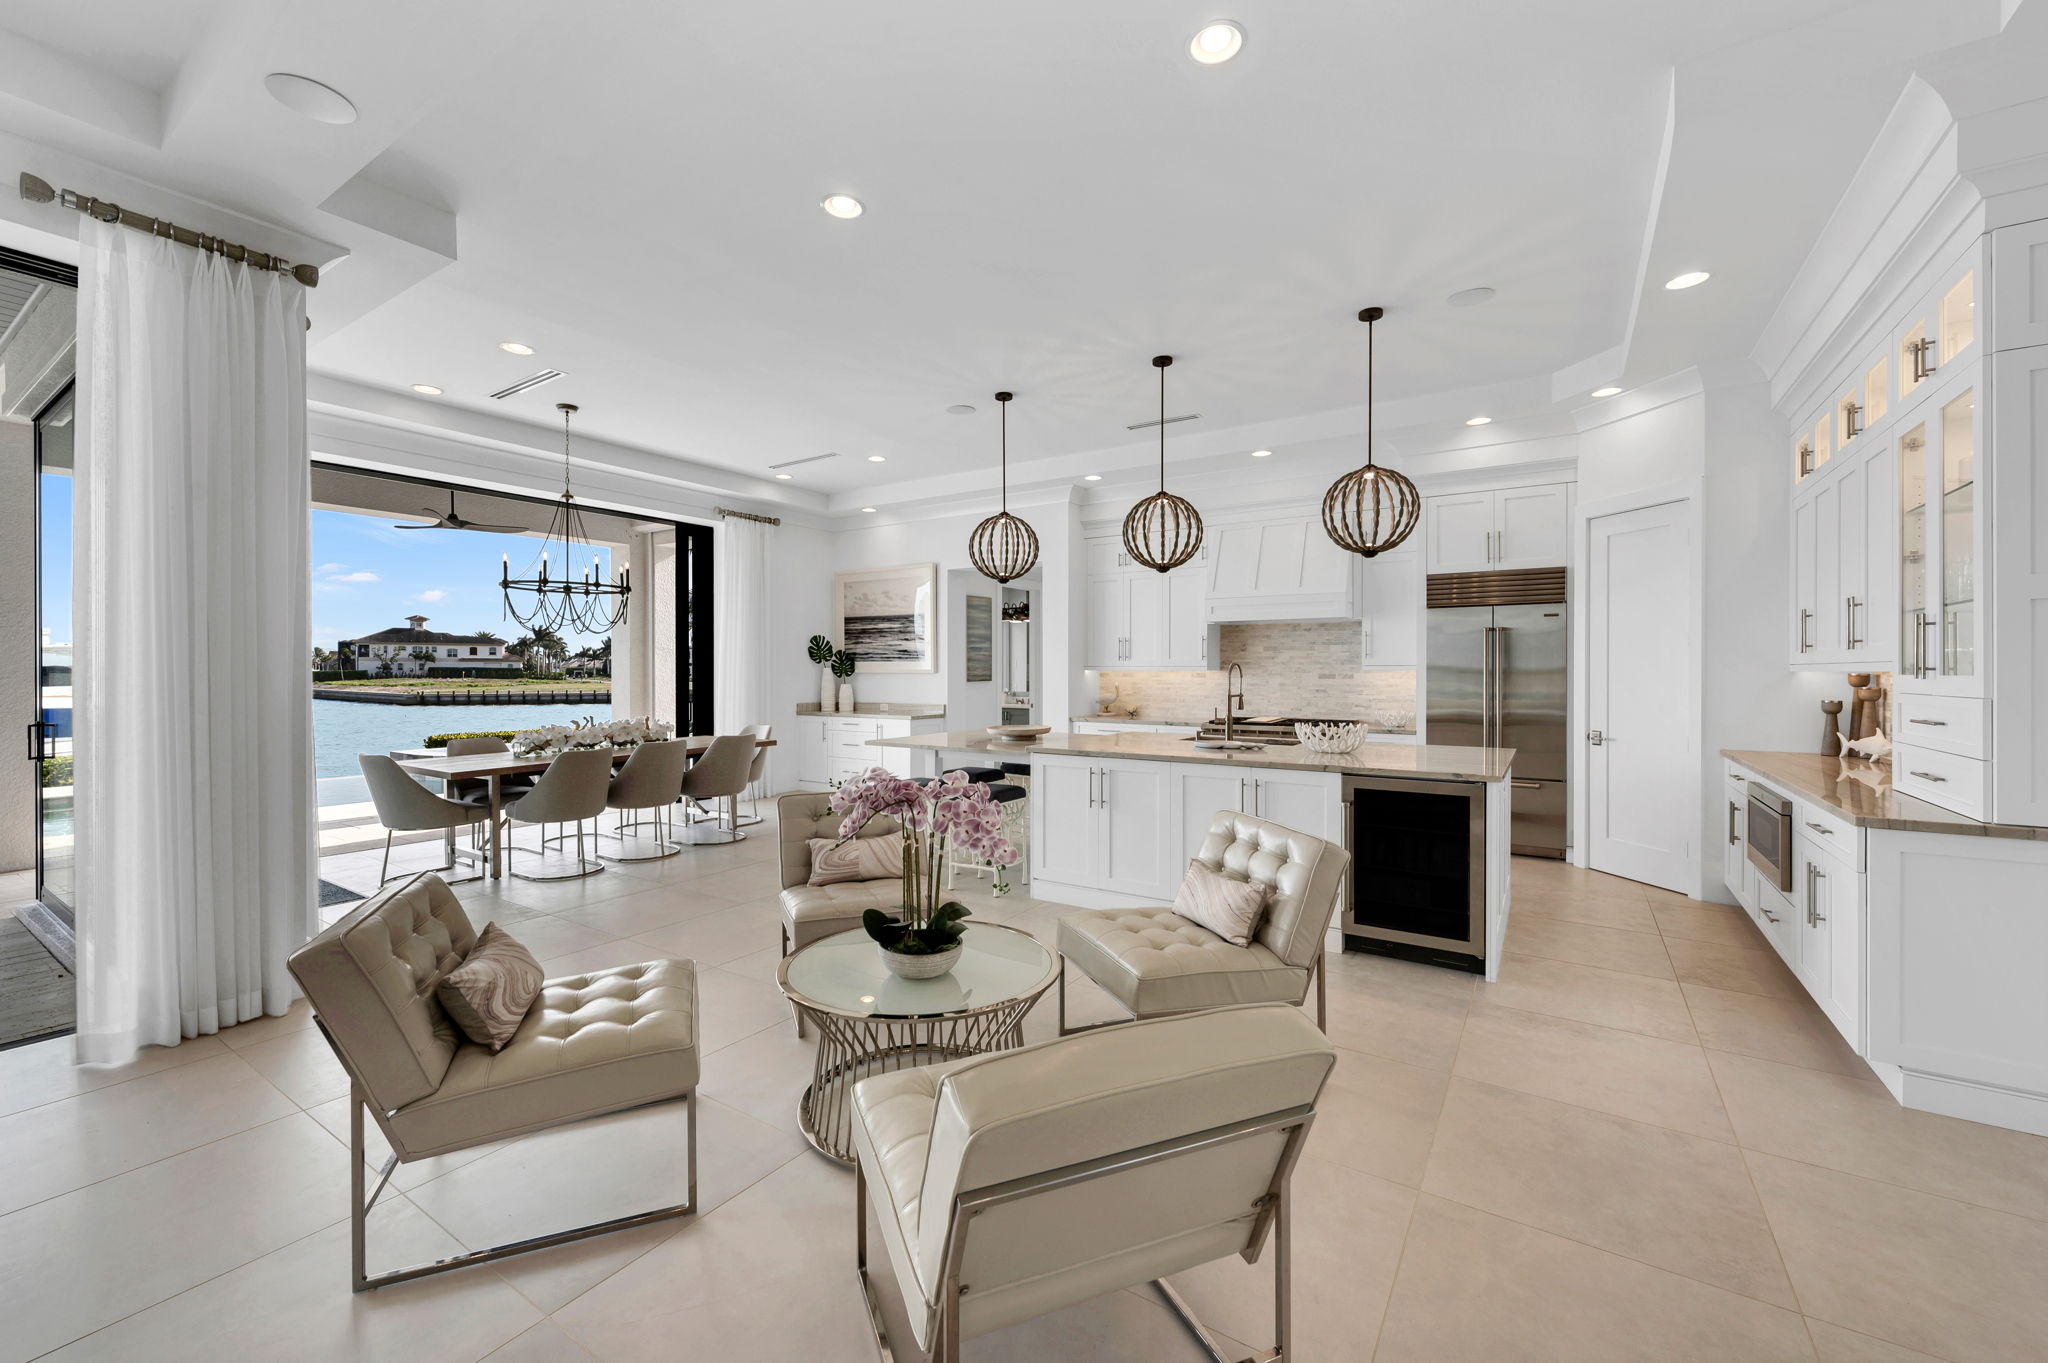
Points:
x=980 y=776
x=1002 y=792
x=1016 y=769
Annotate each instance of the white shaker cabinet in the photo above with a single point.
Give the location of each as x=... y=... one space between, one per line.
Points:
x=1498 y=530
x=832 y=748
x=1142 y=620
x=1307 y=802
x=1105 y=824
x=1390 y=614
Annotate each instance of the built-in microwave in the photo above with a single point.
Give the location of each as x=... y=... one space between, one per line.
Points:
x=1770 y=835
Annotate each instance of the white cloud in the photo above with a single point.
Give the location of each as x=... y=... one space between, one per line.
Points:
x=432 y=594
x=355 y=577
x=332 y=568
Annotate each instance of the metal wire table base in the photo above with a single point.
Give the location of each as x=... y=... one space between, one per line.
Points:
x=852 y=1048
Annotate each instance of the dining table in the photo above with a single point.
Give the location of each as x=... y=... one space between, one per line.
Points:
x=493 y=768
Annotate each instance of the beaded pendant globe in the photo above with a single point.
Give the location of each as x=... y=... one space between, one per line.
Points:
x=1370 y=510
x=1163 y=531
x=1003 y=547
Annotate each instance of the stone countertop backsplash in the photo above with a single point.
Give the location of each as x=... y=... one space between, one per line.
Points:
x=1293 y=668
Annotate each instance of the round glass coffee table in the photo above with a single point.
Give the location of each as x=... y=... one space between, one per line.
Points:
x=870 y=1022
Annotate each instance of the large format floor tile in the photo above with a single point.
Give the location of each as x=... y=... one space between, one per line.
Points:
x=1557 y=939
x=1585 y=993
x=1793 y=1031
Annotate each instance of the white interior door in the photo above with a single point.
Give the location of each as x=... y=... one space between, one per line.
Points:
x=1642 y=782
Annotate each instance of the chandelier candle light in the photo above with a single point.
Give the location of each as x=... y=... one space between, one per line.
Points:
x=1370 y=510
x=1004 y=547
x=1163 y=531
x=585 y=605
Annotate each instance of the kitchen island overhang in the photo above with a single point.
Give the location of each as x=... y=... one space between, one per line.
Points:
x=1115 y=818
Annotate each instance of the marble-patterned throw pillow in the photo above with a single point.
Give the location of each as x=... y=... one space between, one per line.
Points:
x=1229 y=907
x=833 y=861
x=489 y=994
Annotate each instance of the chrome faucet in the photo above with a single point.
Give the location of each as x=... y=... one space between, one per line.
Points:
x=1233 y=700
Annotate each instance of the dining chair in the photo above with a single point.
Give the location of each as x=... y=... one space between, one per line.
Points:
x=405 y=806
x=648 y=786
x=720 y=774
x=761 y=733
x=572 y=790
x=473 y=786
x=1012 y=1185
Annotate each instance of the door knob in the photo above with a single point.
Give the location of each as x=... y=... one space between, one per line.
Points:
x=1596 y=738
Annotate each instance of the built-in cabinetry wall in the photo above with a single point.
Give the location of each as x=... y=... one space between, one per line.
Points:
x=1920 y=527
x=831 y=748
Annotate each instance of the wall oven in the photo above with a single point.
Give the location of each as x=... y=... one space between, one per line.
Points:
x=1770 y=836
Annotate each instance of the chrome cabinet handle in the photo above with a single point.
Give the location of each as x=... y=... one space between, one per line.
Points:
x=1731 y=823
x=1766 y=913
x=1242 y=792
x=1812 y=872
x=1849 y=605
x=1805 y=619
x=1928 y=776
x=1824 y=832
x=1928 y=622
x=1526 y=785
x=1596 y=738
x=1933 y=723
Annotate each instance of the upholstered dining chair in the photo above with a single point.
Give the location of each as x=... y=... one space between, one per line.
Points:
x=478 y=746
x=809 y=911
x=572 y=790
x=720 y=774
x=648 y=786
x=1015 y=1184
x=591 y=1044
x=405 y=806
x=760 y=733
x=1154 y=962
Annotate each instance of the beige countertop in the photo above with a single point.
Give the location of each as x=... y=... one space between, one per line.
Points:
x=1196 y=723
x=1862 y=793
x=902 y=709
x=1420 y=760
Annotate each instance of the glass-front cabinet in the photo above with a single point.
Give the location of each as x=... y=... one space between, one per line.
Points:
x=1940 y=541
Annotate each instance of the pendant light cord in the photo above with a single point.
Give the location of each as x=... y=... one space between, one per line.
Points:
x=1368 y=392
x=1162 y=427
x=1004 y=405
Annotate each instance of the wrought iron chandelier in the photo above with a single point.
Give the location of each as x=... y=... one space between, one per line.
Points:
x=584 y=605
x=1004 y=547
x=1163 y=531
x=1370 y=510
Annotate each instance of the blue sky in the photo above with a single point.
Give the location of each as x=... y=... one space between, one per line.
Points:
x=368 y=575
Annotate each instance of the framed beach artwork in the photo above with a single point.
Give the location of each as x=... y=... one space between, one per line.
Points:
x=888 y=617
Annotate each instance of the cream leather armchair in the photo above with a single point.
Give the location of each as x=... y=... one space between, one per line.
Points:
x=591 y=1044
x=1011 y=1185
x=813 y=911
x=1154 y=962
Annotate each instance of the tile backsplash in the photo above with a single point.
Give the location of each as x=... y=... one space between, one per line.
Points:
x=1289 y=669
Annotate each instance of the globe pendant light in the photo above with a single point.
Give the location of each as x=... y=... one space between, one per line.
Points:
x=587 y=604
x=1163 y=531
x=1370 y=510
x=1003 y=547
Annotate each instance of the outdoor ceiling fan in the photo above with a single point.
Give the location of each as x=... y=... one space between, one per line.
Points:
x=450 y=521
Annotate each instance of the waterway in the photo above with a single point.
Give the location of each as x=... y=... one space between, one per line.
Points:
x=343 y=728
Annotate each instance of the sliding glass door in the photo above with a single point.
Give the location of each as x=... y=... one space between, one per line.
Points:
x=54 y=730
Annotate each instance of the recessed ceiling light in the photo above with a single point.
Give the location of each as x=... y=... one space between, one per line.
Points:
x=870 y=510
x=1262 y=454
x=1609 y=391
x=1091 y=477
x=1687 y=280
x=1478 y=420
x=1216 y=42
x=304 y=95
x=961 y=409
x=842 y=205
x=878 y=459
x=515 y=348
x=1466 y=298
x=785 y=477
x=426 y=388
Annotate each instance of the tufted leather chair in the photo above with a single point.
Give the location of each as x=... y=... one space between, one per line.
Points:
x=591 y=1044
x=1154 y=962
x=1015 y=1184
x=809 y=911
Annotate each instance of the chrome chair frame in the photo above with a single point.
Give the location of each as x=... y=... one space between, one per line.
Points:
x=361 y=1280
x=1315 y=971
x=1272 y=1210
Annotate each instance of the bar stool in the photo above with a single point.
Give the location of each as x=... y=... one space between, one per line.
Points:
x=720 y=774
x=572 y=790
x=1015 y=827
x=648 y=785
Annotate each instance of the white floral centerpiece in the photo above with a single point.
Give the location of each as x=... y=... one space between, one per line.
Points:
x=552 y=740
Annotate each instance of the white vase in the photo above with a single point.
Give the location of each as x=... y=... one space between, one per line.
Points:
x=828 y=690
x=846 y=696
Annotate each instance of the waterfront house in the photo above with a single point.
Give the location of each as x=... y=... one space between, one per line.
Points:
x=417 y=651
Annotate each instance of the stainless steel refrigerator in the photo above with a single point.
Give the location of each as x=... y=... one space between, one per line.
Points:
x=1494 y=676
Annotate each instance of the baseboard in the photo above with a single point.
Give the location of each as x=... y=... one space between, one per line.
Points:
x=1087 y=897
x=1975 y=1102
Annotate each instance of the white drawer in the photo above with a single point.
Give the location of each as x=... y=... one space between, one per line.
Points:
x=846 y=768
x=1956 y=724
x=1738 y=776
x=1942 y=778
x=866 y=728
x=1829 y=831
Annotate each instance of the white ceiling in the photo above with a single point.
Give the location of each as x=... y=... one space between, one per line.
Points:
x=1054 y=195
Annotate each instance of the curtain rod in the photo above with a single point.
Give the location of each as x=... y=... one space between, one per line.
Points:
x=749 y=516
x=38 y=190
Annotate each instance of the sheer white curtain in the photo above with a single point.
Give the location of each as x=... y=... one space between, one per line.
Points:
x=191 y=598
x=740 y=624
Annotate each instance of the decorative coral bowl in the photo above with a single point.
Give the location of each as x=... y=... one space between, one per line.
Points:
x=1330 y=738
x=924 y=966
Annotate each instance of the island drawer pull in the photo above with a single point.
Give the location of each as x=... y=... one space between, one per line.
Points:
x=1526 y=785
x=1936 y=723
x=1928 y=776
x=1829 y=832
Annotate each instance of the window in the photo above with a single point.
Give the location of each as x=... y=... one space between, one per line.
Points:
x=472 y=653
x=453 y=653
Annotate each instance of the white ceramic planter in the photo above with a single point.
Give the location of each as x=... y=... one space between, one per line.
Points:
x=828 y=690
x=846 y=697
x=921 y=967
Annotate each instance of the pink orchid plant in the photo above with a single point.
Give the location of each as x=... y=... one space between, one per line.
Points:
x=951 y=812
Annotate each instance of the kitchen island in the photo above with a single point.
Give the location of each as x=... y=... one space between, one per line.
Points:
x=1115 y=819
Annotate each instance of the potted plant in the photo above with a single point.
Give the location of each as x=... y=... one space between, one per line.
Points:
x=922 y=940
x=842 y=668
x=820 y=650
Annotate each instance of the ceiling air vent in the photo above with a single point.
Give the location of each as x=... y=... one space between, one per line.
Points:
x=1148 y=425
x=808 y=459
x=530 y=381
